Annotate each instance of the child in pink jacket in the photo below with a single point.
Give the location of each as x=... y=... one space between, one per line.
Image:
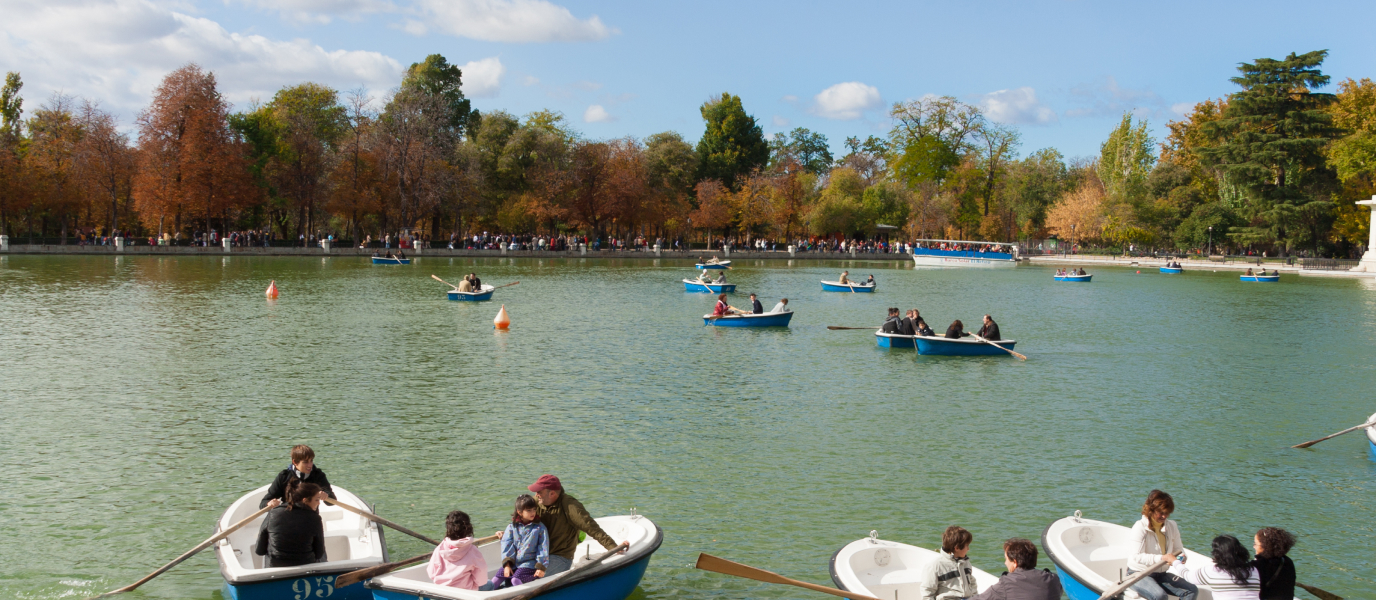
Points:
x=456 y=561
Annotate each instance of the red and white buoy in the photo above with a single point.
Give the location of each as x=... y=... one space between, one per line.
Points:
x=502 y=321
x=272 y=290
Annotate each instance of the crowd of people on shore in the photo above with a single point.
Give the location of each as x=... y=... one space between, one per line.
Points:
x=539 y=541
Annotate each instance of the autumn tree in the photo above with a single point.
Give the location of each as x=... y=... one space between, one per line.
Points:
x=11 y=132
x=714 y=209
x=54 y=135
x=105 y=161
x=1353 y=157
x=1079 y=215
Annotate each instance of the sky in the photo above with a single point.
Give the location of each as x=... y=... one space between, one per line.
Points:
x=1063 y=71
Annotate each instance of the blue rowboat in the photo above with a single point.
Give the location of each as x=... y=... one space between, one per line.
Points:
x=749 y=320
x=966 y=346
x=1172 y=270
x=836 y=286
x=1371 y=437
x=1261 y=278
x=484 y=294
x=690 y=285
x=1073 y=278
x=382 y=260
x=719 y=265
x=612 y=579
x=894 y=340
x=351 y=543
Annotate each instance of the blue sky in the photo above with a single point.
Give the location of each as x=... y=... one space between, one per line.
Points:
x=1062 y=71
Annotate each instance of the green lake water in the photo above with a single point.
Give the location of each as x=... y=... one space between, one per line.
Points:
x=139 y=396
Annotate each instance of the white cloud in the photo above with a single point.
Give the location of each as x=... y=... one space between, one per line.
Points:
x=1019 y=107
x=790 y=99
x=483 y=78
x=1108 y=99
x=530 y=80
x=322 y=11
x=117 y=51
x=510 y=21
x=846 y=101
x=588 y=86
x=780 y=121
x=597 y=114
x=1182 y=108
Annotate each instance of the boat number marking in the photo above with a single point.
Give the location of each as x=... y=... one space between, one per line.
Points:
x=323 y=588
x=881 y=557
x=1086 y=535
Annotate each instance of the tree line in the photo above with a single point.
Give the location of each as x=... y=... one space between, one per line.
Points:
x=1274 y=166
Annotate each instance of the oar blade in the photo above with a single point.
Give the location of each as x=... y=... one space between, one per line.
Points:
x=707 y=562
x=1322 y=595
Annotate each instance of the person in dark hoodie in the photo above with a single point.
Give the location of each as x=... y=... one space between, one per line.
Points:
x=891 y=322
x=1022 y=581
x=302 y=469
x=1272 y=563
x=293 y=534
x=755 y=306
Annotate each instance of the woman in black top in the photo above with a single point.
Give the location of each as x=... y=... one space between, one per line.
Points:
x=293 y=534
x=955 y=331
x=1275 y=568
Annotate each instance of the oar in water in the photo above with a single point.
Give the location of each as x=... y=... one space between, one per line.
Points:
x=1127 y=583
x=1329 y=437
x=189 y=553
x=707 y=562
x=353 y=577
x=507 y=285
x=373 y=517
x=552 y=579
x=839 y=328
x=1020 y=357
x=1323 y=595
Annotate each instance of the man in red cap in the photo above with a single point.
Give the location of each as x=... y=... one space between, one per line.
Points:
x=564 y=517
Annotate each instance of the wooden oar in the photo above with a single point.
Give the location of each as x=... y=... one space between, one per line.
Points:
x=707 y=562
x=373 y=517
x=839 y=328
x=1329 y=437
x=548 y=581
x=976 y=336
x=1323 y=595
x=507 y=285
x=189 y=553
x=436 y=277
x=1127 y=583
x=353 y=577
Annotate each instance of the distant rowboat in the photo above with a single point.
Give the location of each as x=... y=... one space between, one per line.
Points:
x=750 y=320
x=717 y=265
x=692 y=285
x=1261 y=278
x=383 y=260
x=894 y=340
x=966 y=346
x=1073 y=278
x=836 y=286
x=1172 y=270
x=483 y=294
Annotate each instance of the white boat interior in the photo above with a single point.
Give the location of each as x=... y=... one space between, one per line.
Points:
x=1371 y=431
x=747 y=315
x=483 y=289
x=351 y=541
x=1096 y=553
x=851 y=284
x=885 y=569
x=641 y=532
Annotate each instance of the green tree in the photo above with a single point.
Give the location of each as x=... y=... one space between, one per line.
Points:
x=11 y=107
x=733 y=144
x=996 y=145
x=1034 y=185
x=437 y=78
x=1125 y=161
x=809 y=149
x=1273 y=136
x=930 y=137
x=840 y=209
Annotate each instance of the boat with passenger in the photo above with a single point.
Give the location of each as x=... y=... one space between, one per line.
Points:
x=778 y=319
x=1371 y=435
x=390 y=260
x=1260 y=278
x=1092 y=556
x=693 y=285
x=1071 y=276
x=1170 y=270
x=725 y=264
x=485 y=293
x=964 y=253
x=884 y=569
x=612 y=579
x=967 y=346
x=352 y=542
x=894 y=340
x=836 y=286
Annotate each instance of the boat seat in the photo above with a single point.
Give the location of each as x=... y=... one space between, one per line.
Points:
x=331 y=513
x=900 y=577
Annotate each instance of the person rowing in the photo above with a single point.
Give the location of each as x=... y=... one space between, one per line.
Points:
x=845 y=278
x=723 y=309
x=891 y=323
x=1249 y=272
x=712 y=261
x=990 y=330
x=956 y=330
x=1082 y=272
x=908 y=324
x=721 y=278
x=466 y=284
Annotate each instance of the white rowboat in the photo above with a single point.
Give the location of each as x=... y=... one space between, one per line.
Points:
x=885 y=569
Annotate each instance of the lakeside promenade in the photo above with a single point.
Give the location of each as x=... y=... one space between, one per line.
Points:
x=1085 y=260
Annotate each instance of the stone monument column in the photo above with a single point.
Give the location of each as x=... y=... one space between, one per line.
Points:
x=1368 y=264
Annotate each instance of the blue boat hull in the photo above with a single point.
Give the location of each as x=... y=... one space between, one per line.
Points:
x=929 y=346
x=391 y=261
x=715 y=288
x=709 y=267
x=859 y=289
x=310 y=586
x=1074 y=588
x=1171 y=271
x=1261 y=279
x=894 y=341
x=765 y=320
x=1074 y=278
x=616 y=585
x=462 y=297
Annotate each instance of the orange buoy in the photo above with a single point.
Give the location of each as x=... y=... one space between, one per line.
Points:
x=272 y=290
x=1139 y=272
x=502 y=321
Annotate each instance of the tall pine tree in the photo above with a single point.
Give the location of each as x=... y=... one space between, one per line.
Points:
x=1271 y=145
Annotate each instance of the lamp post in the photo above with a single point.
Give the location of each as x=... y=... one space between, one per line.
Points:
x=1211 y=240
x=1072 y=238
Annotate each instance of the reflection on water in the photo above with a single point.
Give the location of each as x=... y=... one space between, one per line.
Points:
x=141 y=395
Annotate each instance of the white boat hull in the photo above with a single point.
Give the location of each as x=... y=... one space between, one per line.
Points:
x=951 y=261
x=885 y=569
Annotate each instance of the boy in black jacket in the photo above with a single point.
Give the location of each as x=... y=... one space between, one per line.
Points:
x=303 y=469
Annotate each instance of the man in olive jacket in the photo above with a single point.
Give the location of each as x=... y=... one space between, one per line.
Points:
x=564 y=516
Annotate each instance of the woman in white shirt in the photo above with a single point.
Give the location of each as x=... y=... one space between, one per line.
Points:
x=1155 y=538
x=1232 y=576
